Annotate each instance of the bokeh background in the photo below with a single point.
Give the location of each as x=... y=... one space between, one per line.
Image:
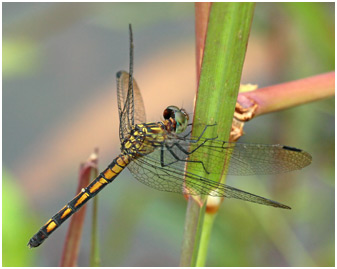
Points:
x=59 y=103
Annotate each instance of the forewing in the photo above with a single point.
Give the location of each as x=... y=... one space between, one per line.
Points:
x=244 y=159
x=130 y=104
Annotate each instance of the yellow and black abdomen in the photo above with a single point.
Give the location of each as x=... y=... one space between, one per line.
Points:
x=142 y=140
x=107 y=176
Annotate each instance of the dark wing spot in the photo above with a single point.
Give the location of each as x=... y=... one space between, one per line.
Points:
x=292 y=149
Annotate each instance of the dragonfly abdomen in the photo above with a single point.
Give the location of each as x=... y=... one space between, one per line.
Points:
x=107 y=176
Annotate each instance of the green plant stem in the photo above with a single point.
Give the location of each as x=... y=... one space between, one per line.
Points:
x=194 y=212
x=193 y=224
x=225 y=48
x=205 y=238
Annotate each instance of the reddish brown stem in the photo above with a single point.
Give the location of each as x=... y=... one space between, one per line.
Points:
x=74 y=233
x=289 y=94
x=201 y=22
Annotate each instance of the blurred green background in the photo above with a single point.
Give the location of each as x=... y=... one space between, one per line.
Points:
x=59 y=103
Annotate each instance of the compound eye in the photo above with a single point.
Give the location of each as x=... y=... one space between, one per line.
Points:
x=185 y=113
x=179 y=115
x=181 y=120
x=170 y=111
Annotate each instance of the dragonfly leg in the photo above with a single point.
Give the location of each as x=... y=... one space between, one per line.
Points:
x=203 y=132
x=187 y=134
x=177 y=159
x=193 y=141
x=162 y=162
x=190 y=124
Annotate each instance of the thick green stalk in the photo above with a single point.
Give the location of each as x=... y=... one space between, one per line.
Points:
x=193 y=225
x=226 y=42
x=205 y=238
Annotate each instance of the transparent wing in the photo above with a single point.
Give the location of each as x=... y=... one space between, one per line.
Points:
x=245 y=159
x=171 y=179
x=130 y=104
x=164 y=169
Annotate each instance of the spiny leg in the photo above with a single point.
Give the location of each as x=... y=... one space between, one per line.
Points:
x=189 y=132
x=169 y=148
x=193 y=141
x=162 y=162
x=203 y=132
x=200 y=136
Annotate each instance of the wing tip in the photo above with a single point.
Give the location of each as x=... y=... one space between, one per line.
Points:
x=120 y=73
x=284 y=206
x=307 y=157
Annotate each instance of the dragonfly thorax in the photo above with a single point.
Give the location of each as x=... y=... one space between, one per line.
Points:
x=143 y=139
x=134 y=140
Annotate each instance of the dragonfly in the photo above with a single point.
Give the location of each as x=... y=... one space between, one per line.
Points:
x=157 y=154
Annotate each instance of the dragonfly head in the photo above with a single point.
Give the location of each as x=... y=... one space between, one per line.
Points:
x=179 y=117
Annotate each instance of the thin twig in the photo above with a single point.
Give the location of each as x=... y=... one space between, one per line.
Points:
x=74 y=233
